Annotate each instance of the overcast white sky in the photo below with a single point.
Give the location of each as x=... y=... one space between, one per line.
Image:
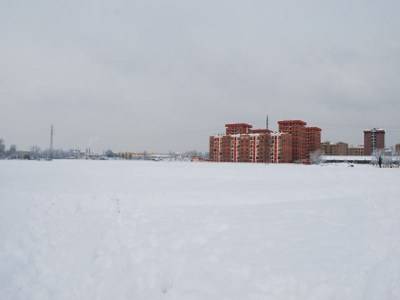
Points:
x=164 y=75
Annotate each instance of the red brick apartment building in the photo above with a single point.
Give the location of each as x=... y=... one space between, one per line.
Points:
x=305 y=140
x=281 y=148
x=239 y=148
x=242 y=143
x=313 y=139
x=374 y=140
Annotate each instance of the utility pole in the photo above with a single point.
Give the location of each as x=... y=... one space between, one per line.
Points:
x=51 y=142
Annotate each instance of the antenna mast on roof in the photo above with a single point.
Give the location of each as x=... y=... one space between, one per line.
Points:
x=266 y=123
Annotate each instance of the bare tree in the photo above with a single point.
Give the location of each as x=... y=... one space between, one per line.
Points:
x=12 y=152
x=2 y=148
x=315 y=157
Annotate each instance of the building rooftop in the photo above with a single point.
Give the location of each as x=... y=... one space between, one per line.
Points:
x=374 y=129
x=313 y=128
x=239 y=125
x=261 y=130
x=298 y=122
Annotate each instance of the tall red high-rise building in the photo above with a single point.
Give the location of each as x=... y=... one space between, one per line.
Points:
x=313 y=139
x=297 y=129
x=397 y=149
x=374 y=141
x=305 y=140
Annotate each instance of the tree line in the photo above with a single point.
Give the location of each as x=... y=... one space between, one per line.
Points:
x=4 y=152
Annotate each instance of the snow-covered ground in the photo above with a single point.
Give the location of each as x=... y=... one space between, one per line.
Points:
x=167 y=230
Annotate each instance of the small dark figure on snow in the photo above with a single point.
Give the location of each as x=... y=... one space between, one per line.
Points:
x=380 y=161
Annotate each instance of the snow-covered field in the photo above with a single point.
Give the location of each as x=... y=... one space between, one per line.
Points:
x=166 y=230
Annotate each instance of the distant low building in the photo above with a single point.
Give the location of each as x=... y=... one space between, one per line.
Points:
x=197 y=158
x=356 y=151
x=341 y=149
x=348 y=159
x=334 y=149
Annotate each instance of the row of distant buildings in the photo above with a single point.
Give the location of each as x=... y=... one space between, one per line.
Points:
x=374 y=144
x=294 y=142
